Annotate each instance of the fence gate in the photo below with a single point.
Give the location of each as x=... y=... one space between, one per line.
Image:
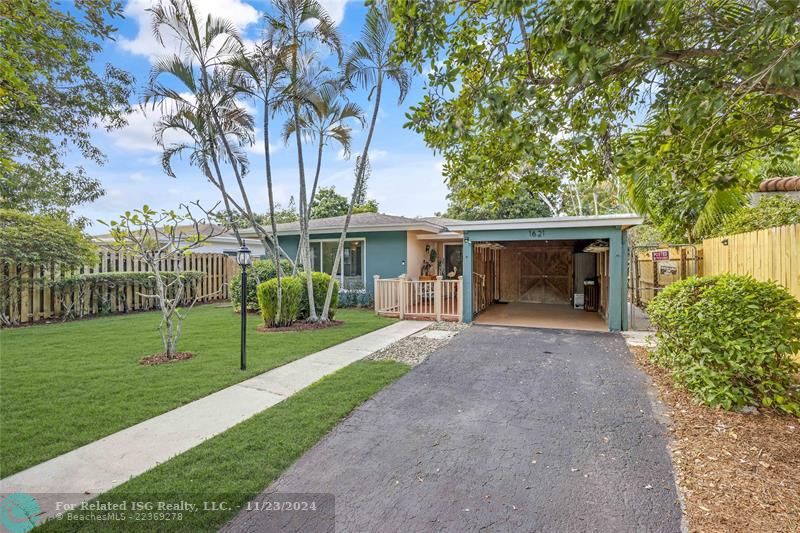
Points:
x=652 y=267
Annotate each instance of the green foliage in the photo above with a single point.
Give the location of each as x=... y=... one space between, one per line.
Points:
x=51 y=97
x=771 y=211
x=729 y=340
x=282 y=215
x=683 y=97
x=321 y=281
x=121 y=279
x=42 y=240
x=292 y=293
x=259 y=272
x=329 y=203
x=519 y=202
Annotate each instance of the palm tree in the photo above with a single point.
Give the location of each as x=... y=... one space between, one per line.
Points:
x=325 y=121
x=368 y=64
x=297 y=25
x=258 y=74
x=206 y=49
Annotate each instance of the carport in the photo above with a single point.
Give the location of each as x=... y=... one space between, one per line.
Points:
x=561 y=272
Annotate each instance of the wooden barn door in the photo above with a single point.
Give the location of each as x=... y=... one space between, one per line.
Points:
x=545 y=275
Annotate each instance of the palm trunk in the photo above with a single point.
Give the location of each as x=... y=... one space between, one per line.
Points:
x=304 y=254
x=361 y=166
x=276 y=255
x=313 y=194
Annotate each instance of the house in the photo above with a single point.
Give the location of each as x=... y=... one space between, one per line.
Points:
x=560 y=271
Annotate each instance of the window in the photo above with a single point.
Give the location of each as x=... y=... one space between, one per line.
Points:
x=352 y=264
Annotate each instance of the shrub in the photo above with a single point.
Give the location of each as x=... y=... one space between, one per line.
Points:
x=771 y=212
x=320 y=281
x=292 y=291
x=259 y=272
x=729 y=340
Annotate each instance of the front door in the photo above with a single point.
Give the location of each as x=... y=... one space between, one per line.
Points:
x=453 y=261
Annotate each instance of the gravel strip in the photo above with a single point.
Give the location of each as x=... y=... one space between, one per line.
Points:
x=416 y=348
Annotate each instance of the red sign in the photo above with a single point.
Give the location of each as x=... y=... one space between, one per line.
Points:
x=660 y=255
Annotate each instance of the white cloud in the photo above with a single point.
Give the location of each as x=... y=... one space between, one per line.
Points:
x=137 y=136
x=238 y=12
x=374 y=155
x=335 y=9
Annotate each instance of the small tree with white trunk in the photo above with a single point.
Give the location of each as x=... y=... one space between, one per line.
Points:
x=162 y=240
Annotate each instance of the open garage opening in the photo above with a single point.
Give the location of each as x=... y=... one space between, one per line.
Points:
x=559 y=284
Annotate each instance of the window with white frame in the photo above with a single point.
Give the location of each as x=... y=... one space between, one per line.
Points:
x=352 y=267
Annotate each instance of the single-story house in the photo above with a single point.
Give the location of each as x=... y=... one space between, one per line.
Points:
x=559 y=272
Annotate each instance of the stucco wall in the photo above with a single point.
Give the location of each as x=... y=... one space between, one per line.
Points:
x=386 y=251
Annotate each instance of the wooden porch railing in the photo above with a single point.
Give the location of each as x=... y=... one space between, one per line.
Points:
x=439 y=299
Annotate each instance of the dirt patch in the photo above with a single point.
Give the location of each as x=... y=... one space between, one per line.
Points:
x=301 y=326
x=162 y=358
x=737 y=472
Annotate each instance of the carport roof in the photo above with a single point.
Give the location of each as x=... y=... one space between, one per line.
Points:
x=624 y=221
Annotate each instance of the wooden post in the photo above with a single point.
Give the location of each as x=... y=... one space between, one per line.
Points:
x=460 y=299
x=437 y=298
x=375 y=292
x=401 y=297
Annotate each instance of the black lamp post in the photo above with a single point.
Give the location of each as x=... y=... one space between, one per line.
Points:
x=243 y=258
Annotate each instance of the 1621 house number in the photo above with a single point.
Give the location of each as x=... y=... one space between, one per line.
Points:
x=536 y=233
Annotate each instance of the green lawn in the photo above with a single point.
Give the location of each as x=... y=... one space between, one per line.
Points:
x=65 y=385
x=236 y=465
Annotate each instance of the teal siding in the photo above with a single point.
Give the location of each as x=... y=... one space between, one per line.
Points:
x=618 y=244
x=386 y=251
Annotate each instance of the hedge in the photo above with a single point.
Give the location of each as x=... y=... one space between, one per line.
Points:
x=293 y=309
x=260 y=271
x=729 y=340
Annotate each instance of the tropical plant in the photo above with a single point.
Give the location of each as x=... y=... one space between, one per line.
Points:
x=299 y=25
x=368 y=64
x=729 y=340
x=770 y=212
x=161 y=240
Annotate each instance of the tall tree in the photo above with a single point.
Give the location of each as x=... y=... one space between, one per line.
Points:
x=52 y=99
x=299 y=25
x=329 y=203
x=368 y=64
x=686 y=94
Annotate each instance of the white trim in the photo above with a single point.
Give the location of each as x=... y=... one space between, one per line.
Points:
x=341 y=262
x=444 y=236
x=625 y=221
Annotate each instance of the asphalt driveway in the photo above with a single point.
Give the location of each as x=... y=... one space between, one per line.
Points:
x=503 y=429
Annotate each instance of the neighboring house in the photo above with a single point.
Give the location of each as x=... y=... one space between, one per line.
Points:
x=521 y=271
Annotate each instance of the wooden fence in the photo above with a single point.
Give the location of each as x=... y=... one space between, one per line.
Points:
x=769 y=254
x=32 y=297
x=650 y=277
x=438 y=299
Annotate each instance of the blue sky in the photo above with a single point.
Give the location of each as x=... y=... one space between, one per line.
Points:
x=406 y=176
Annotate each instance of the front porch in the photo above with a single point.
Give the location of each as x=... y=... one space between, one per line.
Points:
x=438 y=299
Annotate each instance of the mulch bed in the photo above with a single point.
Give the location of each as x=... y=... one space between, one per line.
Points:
x=300 y=326
x=737 y=472
x=161 y=358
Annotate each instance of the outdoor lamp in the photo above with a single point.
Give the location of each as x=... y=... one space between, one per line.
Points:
x=243 y=258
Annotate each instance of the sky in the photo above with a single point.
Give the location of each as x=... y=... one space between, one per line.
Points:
x=406 y=176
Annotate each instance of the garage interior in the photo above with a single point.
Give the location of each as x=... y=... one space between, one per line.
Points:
x=560 y=284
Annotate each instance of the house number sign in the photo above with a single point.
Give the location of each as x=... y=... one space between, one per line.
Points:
x=536 y=233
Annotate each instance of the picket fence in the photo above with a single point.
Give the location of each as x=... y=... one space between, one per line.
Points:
x=32 y=298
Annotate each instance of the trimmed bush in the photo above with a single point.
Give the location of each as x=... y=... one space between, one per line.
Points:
x=259 y=272
x=293 y=290
x=320 y=281
x=729 y=340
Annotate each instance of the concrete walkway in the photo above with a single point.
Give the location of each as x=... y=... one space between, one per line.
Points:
x=84 y=473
